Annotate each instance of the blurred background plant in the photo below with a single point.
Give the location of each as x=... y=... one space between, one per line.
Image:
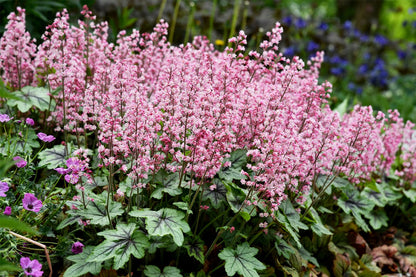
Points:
x=370 y=46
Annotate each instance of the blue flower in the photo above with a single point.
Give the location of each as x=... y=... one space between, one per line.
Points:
x=300 y=23
x=363 y=69
x=363 y=38
x=323 y=26
x=381 y=40
x=312 y=46
x=287 y=20
x=337 y=71
x=351 y=86
x=401 y=54
x=337 y=60
x=347 y=25
x=289 y=51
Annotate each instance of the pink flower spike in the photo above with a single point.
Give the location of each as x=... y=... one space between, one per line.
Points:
x=5 y=118
x=7 y=210
x=30 y=121
x=31 y=203
x=4 y=187
x=77 y=247
x=31 y=268
x=20 y=162
x=44 y=137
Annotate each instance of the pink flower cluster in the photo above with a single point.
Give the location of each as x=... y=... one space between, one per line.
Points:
x=17 y=50
x=186 y=108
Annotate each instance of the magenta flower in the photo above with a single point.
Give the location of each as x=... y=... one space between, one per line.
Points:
x=20 y=162
x=7 y=210
x=5 y=118
x=62 y=171
x=31 y=203
x=77 y=247
x=30 y=121
x=4 y=187
x=31 y=268
x=72 y=178
x=44 y=137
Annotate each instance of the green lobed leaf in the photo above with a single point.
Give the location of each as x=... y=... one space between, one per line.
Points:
x=164 y=222
x=195 y=248
x=81 y=266
x=235 y=196
x=374 y=196
x=378 y=218
x=96 y=211
x=157 y=242
x=5 y=93
x=71 y=219
x=120 y=243
x=53 y=157
x=166 y=183
x=183 y=206
x=241 y=260
x=31 y=96
x=318 y=227
x=168 y=271
x=352 y=201
x=297 y=261
x=216 y=196
x=283 y=248
x=305 y=254
x=411 y=194
x=238 y=159
x=291 y=215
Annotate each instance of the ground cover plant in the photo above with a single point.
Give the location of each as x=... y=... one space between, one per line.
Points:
x=140 y=157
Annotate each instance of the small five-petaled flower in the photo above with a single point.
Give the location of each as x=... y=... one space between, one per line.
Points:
x=31 y=203
x=31 y=268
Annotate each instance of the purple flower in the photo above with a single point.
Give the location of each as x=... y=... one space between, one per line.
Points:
x=31 y=268
x=5 y=118
x=77 y=247
x=20 y=162
x=62 y=171
x=74 y=164
x=7 y=210
x=44 y=137
x=30 y=121
x=31 y=203
x=4 y=187
x=72 y=178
